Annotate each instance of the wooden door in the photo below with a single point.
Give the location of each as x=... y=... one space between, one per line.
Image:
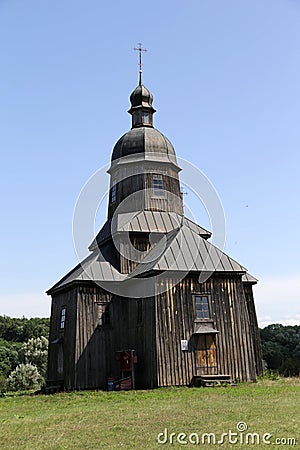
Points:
x=206 y=359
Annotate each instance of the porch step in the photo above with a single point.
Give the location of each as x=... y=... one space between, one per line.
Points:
x=211 y=380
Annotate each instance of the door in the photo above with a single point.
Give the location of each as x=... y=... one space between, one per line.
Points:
x=206 y=358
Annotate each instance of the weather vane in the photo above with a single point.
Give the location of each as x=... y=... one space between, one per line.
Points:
x=140 y=49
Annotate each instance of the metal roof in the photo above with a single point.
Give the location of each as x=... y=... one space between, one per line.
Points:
x=93 y=268
x=248 y=278
x=182 y=248
x=204 y=328
x=146 y=222
x=185 y=250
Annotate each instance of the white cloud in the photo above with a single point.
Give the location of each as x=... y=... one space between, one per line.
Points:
x=35 y=304
x=278 y=300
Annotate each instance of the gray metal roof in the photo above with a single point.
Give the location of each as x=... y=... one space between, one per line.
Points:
x=181 y=248
x=146 y=222
x=204 y=328
x=93 y=268
x=248 y=278
x=185 y=250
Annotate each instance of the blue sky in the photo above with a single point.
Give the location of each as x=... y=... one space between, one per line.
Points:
x=225 y=79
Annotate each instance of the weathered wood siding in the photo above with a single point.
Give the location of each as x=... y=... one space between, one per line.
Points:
x=135 y=191
x=88 y=354
x=175 y=322
x=89 y=347
x=133 y=250
x=64 y=351
x=254 y=327
x=131 y=329
x=154 y=328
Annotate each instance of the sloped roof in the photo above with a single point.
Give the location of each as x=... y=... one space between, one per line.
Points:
x=248 y=278
x=186 y=250
x=146 y=222
x=94 y=267
x=182 y=249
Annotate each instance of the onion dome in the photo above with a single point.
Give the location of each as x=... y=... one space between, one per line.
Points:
x=141 y=97
x=141 y=107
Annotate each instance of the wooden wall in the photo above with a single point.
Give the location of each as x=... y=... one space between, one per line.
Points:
x=175 y=321
x=88 y=353
x=154 y=327
x=89 y=348
x=65 y=348
x=126 y=332
x=254 y=327
x=145 y=199
x=133 y=250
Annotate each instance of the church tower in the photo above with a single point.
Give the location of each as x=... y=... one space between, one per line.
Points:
x=144 y=170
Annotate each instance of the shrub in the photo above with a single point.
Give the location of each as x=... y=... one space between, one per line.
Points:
x=3 y=383
x=36 y=353
x=24 y=377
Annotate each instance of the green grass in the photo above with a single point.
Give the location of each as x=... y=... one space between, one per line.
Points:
x=112 y=420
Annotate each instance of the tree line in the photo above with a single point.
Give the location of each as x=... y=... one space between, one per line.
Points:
x=281 y=348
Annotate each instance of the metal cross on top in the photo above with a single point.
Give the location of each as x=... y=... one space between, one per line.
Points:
x=140 y=49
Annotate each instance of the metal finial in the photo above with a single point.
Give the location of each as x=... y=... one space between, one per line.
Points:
x=140 y=49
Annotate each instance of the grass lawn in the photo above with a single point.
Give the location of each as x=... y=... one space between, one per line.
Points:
x=112 y=420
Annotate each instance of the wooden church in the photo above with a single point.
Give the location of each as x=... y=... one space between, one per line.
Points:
x=137 y=312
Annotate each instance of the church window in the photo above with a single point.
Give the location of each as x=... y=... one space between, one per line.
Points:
x=63 y=317
x=146 y=119
x=135 y=119
x=158 y=185
x=113 y=192
x=201 y=303
x=105 y=314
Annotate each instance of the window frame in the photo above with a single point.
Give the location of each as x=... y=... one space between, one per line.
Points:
x=62 y=321
x=146 y=117
x=105 y=314
x=113 y=194
x=158 y=186
x=202 y=310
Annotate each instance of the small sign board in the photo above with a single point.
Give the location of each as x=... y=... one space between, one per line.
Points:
x=184 y=344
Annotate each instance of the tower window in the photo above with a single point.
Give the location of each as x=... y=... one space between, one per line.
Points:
x=113 y=196
x=63 y=317
x=105 y=314
x=146 y=118
x=158 y=188
x=201 y=307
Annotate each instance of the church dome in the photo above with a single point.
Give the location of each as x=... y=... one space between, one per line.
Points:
x=147 y=142
x=143 y=141
x=141 y=96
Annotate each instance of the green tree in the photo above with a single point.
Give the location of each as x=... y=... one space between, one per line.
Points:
x=22 y=329
x=10 y=356
x=281 y=348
